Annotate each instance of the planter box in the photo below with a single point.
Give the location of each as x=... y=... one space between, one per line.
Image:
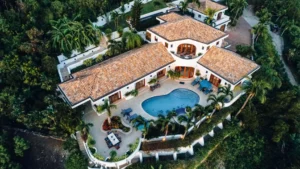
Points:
x=129 y=97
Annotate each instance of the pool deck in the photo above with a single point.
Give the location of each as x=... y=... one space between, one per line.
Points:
x=167 y=85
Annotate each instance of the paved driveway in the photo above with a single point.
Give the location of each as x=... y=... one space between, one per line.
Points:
x=240 y=34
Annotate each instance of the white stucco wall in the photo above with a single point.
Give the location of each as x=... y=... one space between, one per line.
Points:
x=173 y=45
x=130 y=87
x=223 y=21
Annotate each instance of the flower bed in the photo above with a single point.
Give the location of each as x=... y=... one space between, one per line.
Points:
x=116 y=123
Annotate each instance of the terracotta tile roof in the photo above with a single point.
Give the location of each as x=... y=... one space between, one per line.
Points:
x=103 y=78
x=227 y=64
x=187 y=28
x=206 y=4
x=170 y=17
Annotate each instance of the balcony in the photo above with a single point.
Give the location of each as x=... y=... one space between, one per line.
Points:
x=186 y=56
x=224 y=19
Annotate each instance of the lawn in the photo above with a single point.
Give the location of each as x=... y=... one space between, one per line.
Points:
x=153 y=6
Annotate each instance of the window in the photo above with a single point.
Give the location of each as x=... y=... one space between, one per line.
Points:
x=218 y=43
x=171 y=46
x=148 y=36
x=166 y=44
x=155 y=38
x=202 y=47
x=199 y=16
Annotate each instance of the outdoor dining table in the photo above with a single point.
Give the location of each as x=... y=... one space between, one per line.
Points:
x=113 y=139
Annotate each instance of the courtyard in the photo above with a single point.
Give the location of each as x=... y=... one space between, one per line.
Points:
x=167 y=85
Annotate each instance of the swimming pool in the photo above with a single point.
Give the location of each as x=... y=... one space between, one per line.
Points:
x=178 y=98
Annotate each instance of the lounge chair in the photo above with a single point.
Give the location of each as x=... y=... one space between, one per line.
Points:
x=126 y=112
x=196 y=81
x=130 y=118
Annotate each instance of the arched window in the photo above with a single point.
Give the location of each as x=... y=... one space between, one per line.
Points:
x=186 y=49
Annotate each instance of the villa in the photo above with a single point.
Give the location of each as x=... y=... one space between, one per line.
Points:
x=191 y=49
x=221 y=20
x=179 y=43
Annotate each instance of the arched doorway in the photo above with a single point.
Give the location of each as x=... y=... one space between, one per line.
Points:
x=219 y=16
x=185 y=72
x=222 y=28
x=186 y=49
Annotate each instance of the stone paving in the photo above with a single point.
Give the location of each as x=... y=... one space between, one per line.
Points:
x=167 y=85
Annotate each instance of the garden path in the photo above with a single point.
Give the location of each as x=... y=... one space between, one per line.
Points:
x=277 y=40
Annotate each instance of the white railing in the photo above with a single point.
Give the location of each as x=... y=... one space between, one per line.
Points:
x=224 y=19
x=113 y=164
x=234 y=99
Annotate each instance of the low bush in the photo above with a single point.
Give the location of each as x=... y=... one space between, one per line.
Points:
x=204 y=129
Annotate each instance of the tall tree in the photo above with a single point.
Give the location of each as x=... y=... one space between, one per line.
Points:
x=236 y=8
x=184 y=6
x=136 y=11
x=210 y=13
x=255 y=88
x=106 y=106
x=217 y=102
x=141 y=121
x=131 y=40
x=166 y=121
x=189 y=120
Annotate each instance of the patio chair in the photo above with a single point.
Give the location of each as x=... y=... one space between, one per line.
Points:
x=196 y=81
x=130 y=118
x=126 y=112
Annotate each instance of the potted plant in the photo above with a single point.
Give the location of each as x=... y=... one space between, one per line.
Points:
x=198 y=73
x=153 y=81
x=173 y=74
x=131 y=94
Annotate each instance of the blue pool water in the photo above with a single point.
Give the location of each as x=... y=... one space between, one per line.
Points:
x=178 y=98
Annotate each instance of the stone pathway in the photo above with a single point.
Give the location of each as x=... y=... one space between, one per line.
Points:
x=249 y=16
x=279 y=45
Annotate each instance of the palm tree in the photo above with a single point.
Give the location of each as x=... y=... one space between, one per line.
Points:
x=115 y=17
x=286 y=24
x=217 y=102
x=184 y=5
x=210 y=13
x=260 y=30
x=237 y=7
x=84 y=129
x=226 y=91
x=166 y=122
x=138 y=121
x=195 y=2
x=189 y=120
x=115 y=47
x=106 y=106
x=61 y=35
x=200 y=112
x=255 y=88
x=131 y=40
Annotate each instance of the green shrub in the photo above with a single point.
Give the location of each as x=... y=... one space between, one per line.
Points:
x=120 y=30
x=99 y=157
x=108 y=33
x=93 y=151
x=133 y=92
x=88 y=62
x=99 y=58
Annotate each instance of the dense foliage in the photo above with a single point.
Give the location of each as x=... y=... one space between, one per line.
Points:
x=11 y=149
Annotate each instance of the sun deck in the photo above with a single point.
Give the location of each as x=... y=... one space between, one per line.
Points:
x=167 y=85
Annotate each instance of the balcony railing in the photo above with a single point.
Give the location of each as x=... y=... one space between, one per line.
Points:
x=225 y=18
x=186 y=56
